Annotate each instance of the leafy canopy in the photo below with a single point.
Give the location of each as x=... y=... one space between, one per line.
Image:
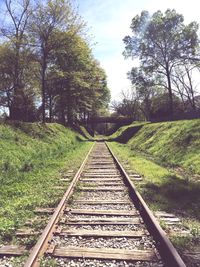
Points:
x=161 y=40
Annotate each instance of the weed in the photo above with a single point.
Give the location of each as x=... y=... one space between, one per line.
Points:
x=163 y=225
x=29 y=242
x=48 y=263
x=18 y=261
x=27 y=167
x=182 y=242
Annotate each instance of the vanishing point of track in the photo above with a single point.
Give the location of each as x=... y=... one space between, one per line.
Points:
x=103 y=221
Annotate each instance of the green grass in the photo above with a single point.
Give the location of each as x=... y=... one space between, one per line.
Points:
x=124 y=133
x=83 y=131
x=171 y=143
x=167 y=155
x=164 y=190
x=32 y=160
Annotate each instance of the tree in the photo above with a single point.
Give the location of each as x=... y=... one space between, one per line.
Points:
x=98 y=83
x=160 y=107
x=72 y=62
x=46 y=63
x=15 y=31
x=25 y=102
x=182 y=78
x=49 y=18
x=6 y=76
x=128 y=106
x=146 y=88
x=76 y=84
x=161 y=41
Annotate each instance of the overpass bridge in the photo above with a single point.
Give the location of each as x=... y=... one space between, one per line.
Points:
x=110 y=119
x=94 y=122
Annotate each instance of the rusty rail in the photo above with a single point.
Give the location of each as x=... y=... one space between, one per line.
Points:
x=42 y=244
x=167 y=251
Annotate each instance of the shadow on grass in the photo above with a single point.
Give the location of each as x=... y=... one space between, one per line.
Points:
x=126 y=135
x=174 y=194
x=123 y=137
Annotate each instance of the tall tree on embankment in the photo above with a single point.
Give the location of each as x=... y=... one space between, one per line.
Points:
x=47 y=68
x=161 y=42
x=14 y=30
x=48 y=18
x=76 y=84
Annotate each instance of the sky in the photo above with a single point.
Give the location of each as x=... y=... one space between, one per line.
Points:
x=109 y=22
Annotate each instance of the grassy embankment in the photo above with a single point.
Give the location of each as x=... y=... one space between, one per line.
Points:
x=85 y=133
x=33 y=158
x=167 y=155
x=124 y=133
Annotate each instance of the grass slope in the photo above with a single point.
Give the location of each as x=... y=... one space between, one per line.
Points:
x=172 y=143
x=164 y=190
x=85 y=133
x=152 y=152
x=31 y=157
x=124 y=133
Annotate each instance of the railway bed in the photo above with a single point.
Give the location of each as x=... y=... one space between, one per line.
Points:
x=101 y=221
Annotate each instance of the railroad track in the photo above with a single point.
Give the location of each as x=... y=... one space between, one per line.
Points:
x=101 y=221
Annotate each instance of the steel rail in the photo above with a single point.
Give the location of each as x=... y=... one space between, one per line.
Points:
x=167 y=251
x=42 y=243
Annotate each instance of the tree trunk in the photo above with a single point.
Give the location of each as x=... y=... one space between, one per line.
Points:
x=50 y=108
x=171 y=106
x=62 y=106
x=43 y=89
x=69 y=114
x=62 y=115
x=16 y=112
x=193 y=104
x=9 y=103
x=18 y=105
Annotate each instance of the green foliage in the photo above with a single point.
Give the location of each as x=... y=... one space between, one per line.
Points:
x=161 y=39
x=31 y=158
x=144 y=88
x=60 y=76
x=183 y=242
x=76 y=83
x=160 y=42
